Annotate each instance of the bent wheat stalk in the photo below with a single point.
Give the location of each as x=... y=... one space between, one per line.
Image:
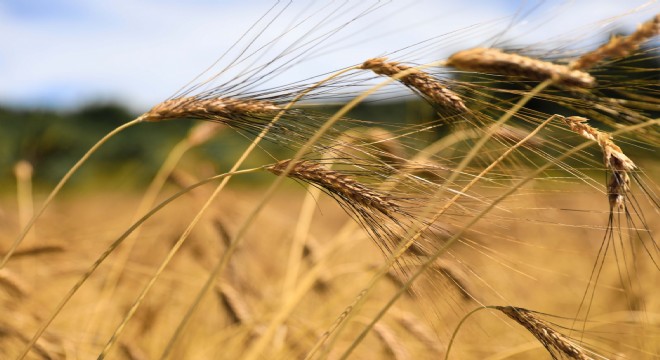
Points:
x=613 y=157
x=417 y=79
x=546 y=335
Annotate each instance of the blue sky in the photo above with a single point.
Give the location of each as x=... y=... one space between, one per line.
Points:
x=63 y=54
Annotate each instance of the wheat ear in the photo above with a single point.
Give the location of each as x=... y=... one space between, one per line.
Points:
x=196 y=108
x=550 y=338
x=619 y=47
x=336 y=183
x=426 y=84
x=613 y=157
x=12 y=284
x=391 y=341
x=496 y=61
x=237 y=309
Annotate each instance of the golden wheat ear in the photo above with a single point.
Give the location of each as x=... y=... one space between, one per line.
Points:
x=199 y=108
x=619 y=47
x=336 y=183
x=495 y=61
x=613 y=157
x=425 y=84
x=551 y=339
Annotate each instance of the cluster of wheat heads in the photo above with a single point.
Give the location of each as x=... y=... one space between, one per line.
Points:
x=442 y=198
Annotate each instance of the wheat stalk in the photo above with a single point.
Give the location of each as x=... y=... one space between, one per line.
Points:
x=496 y=61
x=426 y=84
x=550 y=338
x=619 y=47
x=613 y=157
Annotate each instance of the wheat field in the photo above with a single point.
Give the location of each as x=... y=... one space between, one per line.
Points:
x=511 y=213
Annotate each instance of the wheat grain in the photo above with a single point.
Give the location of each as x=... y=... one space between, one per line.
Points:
x=427 y=85
x=496 y=61
x=336 y=183
x=619 y=47
x=196 y=108
x=613 y=157
x=550 y=338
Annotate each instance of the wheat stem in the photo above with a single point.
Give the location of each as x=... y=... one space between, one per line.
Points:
x=123 y=254
x=299 y=237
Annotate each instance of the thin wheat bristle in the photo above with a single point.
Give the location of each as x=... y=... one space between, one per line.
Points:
x=419 y=80
x=392 y=343
x=337 y=184
x=550 y=338
x=613 y=157
x=195 y=108
x=495 y=61
x=619 y=47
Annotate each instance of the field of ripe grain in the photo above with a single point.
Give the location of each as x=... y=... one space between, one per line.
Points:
x=497 y=203
x=541 y=261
